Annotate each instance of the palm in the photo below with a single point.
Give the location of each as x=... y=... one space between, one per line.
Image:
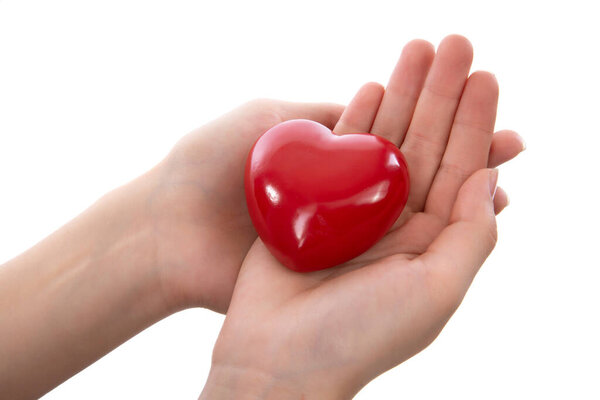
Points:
x=317 y=317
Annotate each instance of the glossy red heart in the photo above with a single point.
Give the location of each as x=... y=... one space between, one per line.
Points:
x=318 y=199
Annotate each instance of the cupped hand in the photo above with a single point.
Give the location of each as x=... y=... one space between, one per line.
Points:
x=202 y=227
x=326 y=334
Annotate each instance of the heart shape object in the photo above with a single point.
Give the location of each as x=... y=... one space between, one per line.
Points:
x=318 y=199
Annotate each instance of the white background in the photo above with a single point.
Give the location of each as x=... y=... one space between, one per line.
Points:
x=93 y=93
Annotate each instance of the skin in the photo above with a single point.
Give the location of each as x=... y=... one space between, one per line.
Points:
x=328 y=333
x=177 y=236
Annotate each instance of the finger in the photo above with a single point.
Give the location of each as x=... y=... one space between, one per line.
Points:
x=327 y=114
x=469 y=143
x=428 y=132
x=506 y=145
x=359 y=115
x=454 y=257
x=501 y=200
x=402 y=91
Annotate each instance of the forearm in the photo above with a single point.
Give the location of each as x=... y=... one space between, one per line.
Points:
x=79 y=293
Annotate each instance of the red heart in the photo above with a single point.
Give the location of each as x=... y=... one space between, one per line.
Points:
x=318 y=199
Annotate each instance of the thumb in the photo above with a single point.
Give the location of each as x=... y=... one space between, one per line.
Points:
x=456 y=255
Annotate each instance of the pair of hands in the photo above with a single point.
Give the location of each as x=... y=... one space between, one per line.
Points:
x=326 y=334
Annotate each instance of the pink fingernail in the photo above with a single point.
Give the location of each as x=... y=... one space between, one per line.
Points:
x=523 y=145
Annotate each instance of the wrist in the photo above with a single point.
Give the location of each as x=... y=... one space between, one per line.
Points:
x=79 y=293
x=229 y=382
x=125 y=237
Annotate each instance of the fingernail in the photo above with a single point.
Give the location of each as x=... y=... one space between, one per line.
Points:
x=493 y=181
x=523 y=145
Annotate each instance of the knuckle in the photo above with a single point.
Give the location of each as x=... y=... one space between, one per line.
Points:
x=454 y=169
x=475 y=128
x=424 y=143
x=447 y=94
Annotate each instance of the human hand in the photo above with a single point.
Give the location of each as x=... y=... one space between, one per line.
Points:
x=203 y=230
x=202 y=227
x=327 y=333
